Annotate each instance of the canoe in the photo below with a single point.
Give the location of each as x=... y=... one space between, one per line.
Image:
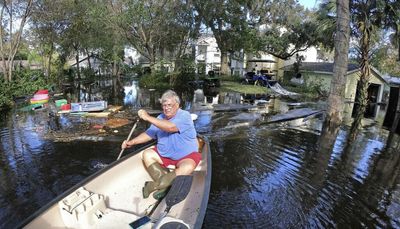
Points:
x=112 y=198
x=39 y=99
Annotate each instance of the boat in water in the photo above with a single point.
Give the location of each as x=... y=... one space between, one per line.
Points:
x=112 y=198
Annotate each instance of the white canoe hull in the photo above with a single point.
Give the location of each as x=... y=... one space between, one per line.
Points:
x=116 y=198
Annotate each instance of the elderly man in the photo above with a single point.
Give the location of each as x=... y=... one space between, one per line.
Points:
x=176 y=145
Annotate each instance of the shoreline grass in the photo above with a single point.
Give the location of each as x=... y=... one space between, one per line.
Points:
x=227 y=86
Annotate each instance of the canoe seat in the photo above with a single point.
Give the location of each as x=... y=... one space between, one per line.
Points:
x=200 y=143
x=85 y=209
x=82 y=208
x=199 y=167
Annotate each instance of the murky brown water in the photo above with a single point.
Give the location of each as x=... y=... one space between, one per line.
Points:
x=264 y=176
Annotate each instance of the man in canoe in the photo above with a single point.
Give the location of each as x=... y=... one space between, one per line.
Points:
x=176 y=145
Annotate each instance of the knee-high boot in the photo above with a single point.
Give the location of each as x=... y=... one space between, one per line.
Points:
x=156 y=171
x=163 y=184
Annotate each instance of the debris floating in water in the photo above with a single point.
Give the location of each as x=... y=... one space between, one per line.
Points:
x=97 y=165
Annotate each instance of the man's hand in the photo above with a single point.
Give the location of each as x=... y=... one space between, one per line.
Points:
x=126 y=145
x=143 y=114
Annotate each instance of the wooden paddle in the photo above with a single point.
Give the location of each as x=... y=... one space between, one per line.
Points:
x=179 y=190
x=129 y=137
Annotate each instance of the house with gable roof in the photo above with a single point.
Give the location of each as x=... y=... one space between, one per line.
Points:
x=207 y=54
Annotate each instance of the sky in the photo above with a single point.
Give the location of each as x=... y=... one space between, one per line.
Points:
x=308 y=3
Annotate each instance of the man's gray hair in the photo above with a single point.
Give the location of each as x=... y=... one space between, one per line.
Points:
x=170 y=94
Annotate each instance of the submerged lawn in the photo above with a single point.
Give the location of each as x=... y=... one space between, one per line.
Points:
x=242 y=88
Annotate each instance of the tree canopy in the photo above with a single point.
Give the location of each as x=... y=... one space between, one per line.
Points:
x=163 y=31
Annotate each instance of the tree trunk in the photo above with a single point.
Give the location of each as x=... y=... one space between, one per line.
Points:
x=338 y=84
x=362 y=86
x=89 y=63
x=115 y=69
x=249 y=65
x=78 y=70
x=224 y=63
x=88 y=55
x=48 y=72
x=13 y=41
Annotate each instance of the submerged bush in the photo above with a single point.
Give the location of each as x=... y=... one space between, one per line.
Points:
x=162 y=80
x=25 y=82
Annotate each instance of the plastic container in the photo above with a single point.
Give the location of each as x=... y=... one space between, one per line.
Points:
x=42 y=91
x=60 y=102
x=66 y=107
x=40 y=96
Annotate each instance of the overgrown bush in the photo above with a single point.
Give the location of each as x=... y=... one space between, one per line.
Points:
x=308 y=92
x=25 y=82
x=5 y=100
x=156 y=80
x=88 y=73
x=162 y=80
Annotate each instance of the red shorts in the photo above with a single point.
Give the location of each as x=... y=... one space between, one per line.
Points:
x=195 y=156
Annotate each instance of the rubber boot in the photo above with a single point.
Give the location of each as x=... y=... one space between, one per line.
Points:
x=156 y=171
x=163 y=185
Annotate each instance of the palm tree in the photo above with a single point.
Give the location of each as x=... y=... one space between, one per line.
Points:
x=367 y=18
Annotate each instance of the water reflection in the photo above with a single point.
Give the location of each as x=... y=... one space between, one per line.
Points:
x=131 y=94
x=268 y=178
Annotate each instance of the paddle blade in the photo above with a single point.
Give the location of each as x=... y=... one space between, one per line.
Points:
x=179 y=190
x=140 y=222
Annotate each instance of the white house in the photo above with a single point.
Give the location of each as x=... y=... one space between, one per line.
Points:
x=96 y=63
x=131 y=56
x=312 y=54
x=207 y=53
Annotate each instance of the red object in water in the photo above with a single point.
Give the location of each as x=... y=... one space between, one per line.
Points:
x=42 y=91
x=66 y=107
x=97 y=126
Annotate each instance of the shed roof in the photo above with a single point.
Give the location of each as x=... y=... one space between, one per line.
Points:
x=393 y=80
x=322 y=67
x=262 y=61
x=327 y=68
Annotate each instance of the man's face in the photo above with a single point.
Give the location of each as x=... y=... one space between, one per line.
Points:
x=170 y=107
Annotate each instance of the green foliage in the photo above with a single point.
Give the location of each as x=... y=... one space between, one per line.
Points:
x=385 y=60
x=156 y=80
x=88 y=73
x=186 y=64
x=157 y=29
x=311 y=91
x=287 y=76
x=5 y=100
x=227 y=86
x=25 y=83
x=162 y=80
x=297 y=64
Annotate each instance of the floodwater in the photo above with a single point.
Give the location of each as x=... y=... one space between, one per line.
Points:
x=279 y=175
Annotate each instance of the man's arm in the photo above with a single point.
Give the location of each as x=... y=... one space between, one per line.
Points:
x=141 y=138
x=163 y=124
